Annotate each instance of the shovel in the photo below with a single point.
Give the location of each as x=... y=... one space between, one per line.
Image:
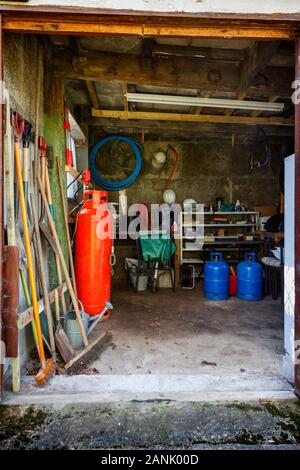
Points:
x=62 y=342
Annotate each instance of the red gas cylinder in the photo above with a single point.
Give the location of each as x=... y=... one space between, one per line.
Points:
x=93 y=246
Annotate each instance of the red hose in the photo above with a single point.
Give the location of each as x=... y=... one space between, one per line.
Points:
x=169 y=180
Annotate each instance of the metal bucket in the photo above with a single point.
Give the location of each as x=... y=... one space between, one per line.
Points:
x=72 y=329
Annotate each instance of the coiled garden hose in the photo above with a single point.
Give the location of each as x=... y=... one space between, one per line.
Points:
x=115 y=185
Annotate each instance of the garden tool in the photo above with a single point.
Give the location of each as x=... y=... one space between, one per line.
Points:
x=26 y=139
x=47 y=366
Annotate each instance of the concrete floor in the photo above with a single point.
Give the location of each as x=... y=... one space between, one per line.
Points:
x=182 y=333
x=179 y=347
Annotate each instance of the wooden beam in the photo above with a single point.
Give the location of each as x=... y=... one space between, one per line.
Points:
x=156 y=116
x=2 y=351
x=239 y=96
x=272 y=99
x=257 y=59
x=92 y=93
x=206 y=94
x=205 y=53
x=203 y=128
x=35 y=22
x=170 y=72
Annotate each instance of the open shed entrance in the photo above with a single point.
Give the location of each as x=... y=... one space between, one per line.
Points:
x=231 y=160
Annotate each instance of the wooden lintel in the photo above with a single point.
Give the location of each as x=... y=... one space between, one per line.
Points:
x=35 y=22
x=156 y=116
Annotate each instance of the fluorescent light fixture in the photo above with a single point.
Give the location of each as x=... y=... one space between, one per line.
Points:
x=204 y=102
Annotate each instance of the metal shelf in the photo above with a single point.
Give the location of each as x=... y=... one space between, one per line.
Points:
x=221 y=213
x=218 y=225
x=192 y=261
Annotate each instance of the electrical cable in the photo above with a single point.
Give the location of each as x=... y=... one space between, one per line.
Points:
x=115 y=185
x=261 y=138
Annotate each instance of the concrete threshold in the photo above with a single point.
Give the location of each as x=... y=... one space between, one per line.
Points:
x=152 y=387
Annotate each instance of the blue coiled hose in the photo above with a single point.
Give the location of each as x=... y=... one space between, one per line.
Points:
x=115 y=185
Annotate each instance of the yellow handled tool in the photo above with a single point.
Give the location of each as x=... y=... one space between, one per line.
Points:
x=18 y=126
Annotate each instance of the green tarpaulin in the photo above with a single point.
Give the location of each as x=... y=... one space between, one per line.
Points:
x=156 y=248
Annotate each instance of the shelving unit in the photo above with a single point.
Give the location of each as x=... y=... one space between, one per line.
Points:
x=239 y=225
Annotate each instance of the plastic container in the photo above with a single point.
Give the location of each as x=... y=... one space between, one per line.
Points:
x=250 y=279
x=216 y=278
x=232 y=284
x=142 y=282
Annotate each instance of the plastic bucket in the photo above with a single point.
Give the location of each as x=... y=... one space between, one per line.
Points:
x=142 y=282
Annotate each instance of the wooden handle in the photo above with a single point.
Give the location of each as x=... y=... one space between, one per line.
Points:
x=65 y=212
x=29 y=257
x=42 y=273
x=56 y=300
x=63 y=263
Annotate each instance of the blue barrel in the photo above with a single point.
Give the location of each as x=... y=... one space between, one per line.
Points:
x=216 y=278
x=250 y=279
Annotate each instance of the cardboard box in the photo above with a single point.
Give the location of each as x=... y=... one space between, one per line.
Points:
x=266 y=211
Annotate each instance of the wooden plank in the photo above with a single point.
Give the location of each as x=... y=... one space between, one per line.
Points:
x=26 y=317
x=272 y=99
x=239 y=96
x=184 y=127
x=2 y=358
x=143 y=26
x=204 y=53
x=297 y=226
x=206 y=94
x=156 y=116
x=92 y=93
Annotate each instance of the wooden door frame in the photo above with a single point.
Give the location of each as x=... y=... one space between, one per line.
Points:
x=96 y=22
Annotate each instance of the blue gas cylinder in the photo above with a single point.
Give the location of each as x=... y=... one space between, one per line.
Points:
x=250 y=279
x=216 y=278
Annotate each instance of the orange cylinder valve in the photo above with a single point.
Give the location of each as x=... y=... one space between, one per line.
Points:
x=93 y=247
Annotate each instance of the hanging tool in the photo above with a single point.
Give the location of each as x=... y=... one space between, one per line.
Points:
x=176 y=160
x=47 y=367
x=90 y=349
x=43 y=153
x=69 y=152
x=48 y=188
x=26 y=139
x=65 y=212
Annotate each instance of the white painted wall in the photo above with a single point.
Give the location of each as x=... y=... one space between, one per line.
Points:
x=289 y=267
x=186 y=6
